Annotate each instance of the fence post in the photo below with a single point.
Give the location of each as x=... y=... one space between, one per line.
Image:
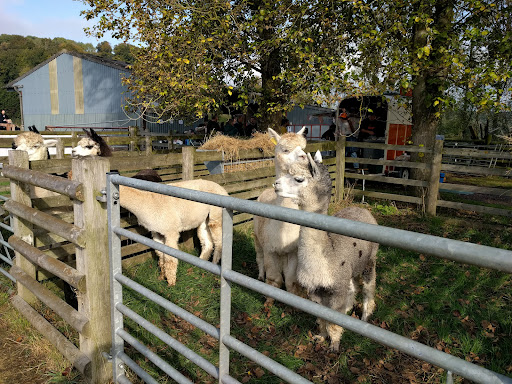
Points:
x=74 y=139
x=340 y=168
x=93 y=261
x=149 y=144
x=20 y=192
x=60 y=149
x=188 y=153
x=433 y=184
x=133 y=135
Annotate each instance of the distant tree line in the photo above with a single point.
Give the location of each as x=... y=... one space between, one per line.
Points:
x=19 y=54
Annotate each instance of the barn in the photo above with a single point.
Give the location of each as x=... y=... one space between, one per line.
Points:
x=73 y=89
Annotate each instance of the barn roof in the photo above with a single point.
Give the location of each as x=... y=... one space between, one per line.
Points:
x=121 y=65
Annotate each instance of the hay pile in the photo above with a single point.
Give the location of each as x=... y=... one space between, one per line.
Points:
x=232 y=145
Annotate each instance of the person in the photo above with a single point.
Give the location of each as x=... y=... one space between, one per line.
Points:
x=330 y=133
x=284 y=125
x=229 y=127
x=252 y=127
x=371 y=128
x=213 y=125
x=240 y=126
x=4 y=118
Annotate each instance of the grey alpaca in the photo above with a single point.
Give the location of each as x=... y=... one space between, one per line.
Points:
x=329 y=264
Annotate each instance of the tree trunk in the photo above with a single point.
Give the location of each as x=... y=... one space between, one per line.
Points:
x=430 y=83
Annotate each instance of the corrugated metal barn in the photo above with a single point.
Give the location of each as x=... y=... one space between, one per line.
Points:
x=78 y=90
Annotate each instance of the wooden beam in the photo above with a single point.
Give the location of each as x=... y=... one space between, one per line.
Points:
x=93 y=262
x=20 y=193
x=61 y=308
x=57 y=184
x=79 y=360
x=54 y=266
x=65 y=230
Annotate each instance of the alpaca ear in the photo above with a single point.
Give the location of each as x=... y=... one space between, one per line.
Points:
x=303 y=131
x=34 y=129
x=318 y=157
x=50 y=142
x=313 y=166
x=86 y=132
x=274 y=136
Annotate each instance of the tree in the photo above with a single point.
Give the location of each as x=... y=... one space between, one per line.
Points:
x=194 y=55
x=281 y=52
x=443 y=50
x=123 y=52
x=104 y=49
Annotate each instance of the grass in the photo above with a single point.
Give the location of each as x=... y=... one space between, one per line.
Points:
x=480 y=181
x=456 y=308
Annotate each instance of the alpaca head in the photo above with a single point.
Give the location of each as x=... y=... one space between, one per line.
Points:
x=33 y=143
x=289 y=149
x=92 y=145
x=309 y=185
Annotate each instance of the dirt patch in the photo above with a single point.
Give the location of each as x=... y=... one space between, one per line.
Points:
x=17 y=365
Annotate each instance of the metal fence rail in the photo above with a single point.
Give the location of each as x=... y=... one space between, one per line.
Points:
x=6 y=255
x=441 y=247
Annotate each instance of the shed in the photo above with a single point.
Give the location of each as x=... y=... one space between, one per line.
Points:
x=73 y=89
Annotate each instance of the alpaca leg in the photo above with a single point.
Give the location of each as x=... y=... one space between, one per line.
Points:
x=203 y=233
x=170 y=263
x=273 y=272
x=322 y=328
x=160 y=239
x=259 y=259
x=290 y=274
x=215 y=227
x=369 y=276
x=322 y=324
x=273 y=269
x=342 y=300
x=334 y=331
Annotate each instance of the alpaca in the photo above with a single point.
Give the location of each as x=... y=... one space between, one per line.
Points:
x=276 y=241
x=330 y=264
x=176 y=215
x=33 y=143
x=167 y=216
x=92 y=145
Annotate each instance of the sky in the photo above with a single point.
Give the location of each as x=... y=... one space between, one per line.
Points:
x=47 y=18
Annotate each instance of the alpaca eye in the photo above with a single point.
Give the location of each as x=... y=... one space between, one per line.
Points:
x=299 y=179
x=89 y=146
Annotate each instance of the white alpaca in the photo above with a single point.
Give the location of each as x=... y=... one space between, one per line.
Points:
x=276 y=241
x=167 y=216
x=33 y=143
x=329 y=264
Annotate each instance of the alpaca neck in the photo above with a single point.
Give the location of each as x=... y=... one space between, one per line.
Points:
x=314 y=267
x=316 y=205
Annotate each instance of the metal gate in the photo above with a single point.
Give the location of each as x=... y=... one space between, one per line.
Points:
x=437 y=246
x=6 y=251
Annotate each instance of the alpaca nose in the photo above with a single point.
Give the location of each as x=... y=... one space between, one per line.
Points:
x=14 y=146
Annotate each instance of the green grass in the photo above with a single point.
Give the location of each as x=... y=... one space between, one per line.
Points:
x=480 y=181
x=457 y=308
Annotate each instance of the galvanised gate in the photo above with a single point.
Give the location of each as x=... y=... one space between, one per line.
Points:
x=444 y=248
